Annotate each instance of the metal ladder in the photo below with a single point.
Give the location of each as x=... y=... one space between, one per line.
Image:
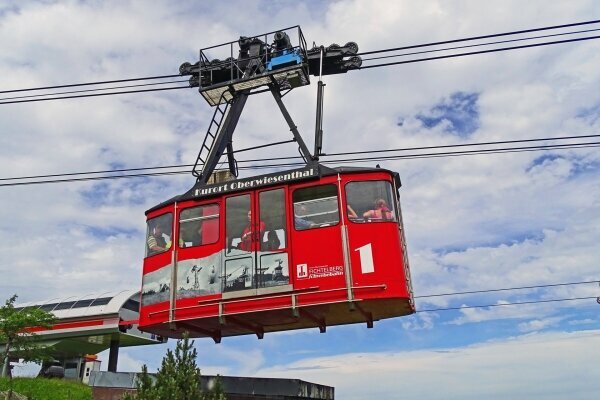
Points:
x=211 y=134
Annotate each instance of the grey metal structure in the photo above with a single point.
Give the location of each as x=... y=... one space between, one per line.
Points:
x=274 y=62
x=110 y=386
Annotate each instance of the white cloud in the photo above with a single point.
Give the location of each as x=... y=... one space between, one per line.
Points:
x=536 y=366
x=538 y=324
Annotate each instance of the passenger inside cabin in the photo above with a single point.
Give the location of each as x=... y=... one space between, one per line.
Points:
x=156 y=240
x=272 y=242
x=197 y=239
x=300 y=219
x=380 y=211
x=246 y=239
x=351 y=213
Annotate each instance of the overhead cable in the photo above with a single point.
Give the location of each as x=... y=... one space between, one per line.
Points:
x=478 y=45
x=294 y=164
x=546 y=28
x=507 y=289
x=443 y=146
x=91 y=90
x=90 y=83
x=56 y=96
x=518 y=303
x=93 y=95
x=479 y=52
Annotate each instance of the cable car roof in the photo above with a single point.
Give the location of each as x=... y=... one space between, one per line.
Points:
x=311 y=171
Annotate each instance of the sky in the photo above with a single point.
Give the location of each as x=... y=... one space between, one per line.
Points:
x=472 y=223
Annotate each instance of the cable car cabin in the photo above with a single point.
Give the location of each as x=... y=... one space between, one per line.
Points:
x=305 y=248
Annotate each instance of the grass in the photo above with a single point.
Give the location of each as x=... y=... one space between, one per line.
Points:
x=48 y=389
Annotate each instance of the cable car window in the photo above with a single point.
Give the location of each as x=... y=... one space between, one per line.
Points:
x=371 y=201
x=237 y=224
x=272 y=213
x=158 y=235
x=316 y=207
x=199 y=225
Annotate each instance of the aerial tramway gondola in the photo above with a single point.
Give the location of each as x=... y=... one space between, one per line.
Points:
x=309 y=247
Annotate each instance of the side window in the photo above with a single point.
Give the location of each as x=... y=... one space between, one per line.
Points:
x=272 y=213
x=371 y=201
x=199 y=225
x=158 y=234
x=315 y=207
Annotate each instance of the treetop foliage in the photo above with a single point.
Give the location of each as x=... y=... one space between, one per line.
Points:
x=178 y=378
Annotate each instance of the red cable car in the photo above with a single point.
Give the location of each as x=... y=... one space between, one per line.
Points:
x=306 y=248
x=310 y=247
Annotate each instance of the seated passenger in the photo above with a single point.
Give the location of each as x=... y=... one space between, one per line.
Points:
x=197 y=240
x=381 y=211
x=272 y=242
x=156 y=241
x=351 y=213
x=300 y=219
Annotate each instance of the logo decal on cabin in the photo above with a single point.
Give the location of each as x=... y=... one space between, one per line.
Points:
x=319 y=271
x=302 y=271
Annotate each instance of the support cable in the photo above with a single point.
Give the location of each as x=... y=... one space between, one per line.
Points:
x=294 y=164
x=480 y=52
x=481 y=37
x=363 y=53
x=91 y=90
x=297 y=157
x=478 y=45
x=506 y=304
x=90 y=83
x=507 y=289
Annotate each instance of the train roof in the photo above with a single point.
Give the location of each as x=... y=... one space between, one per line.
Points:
x=85 y=306
x=311 y=171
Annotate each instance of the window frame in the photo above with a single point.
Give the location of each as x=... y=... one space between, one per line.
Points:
x=181 y=243
x=284 y=218
x=316 y=226
x=360 y=219
x=169 y=234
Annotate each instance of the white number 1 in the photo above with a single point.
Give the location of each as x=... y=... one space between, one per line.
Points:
x=366 y=258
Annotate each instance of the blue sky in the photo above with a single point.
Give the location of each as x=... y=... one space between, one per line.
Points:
x=472 y=223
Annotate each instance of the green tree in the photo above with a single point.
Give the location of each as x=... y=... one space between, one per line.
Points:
x=178 y=378
x=17 y=339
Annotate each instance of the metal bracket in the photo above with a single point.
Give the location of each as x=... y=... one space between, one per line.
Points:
x=368 y=316
x=258 y=330
x=319 y=321
x=215 y=335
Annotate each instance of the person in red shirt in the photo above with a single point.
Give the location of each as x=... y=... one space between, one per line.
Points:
x=246 y=243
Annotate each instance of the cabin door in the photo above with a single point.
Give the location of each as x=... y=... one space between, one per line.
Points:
x=256 y=241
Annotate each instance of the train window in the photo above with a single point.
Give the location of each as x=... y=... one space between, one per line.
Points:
x=158 y=235
x=370 y=201
x=199 y=225
x=272 y=213
x=237 y=224
x=315 y=207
